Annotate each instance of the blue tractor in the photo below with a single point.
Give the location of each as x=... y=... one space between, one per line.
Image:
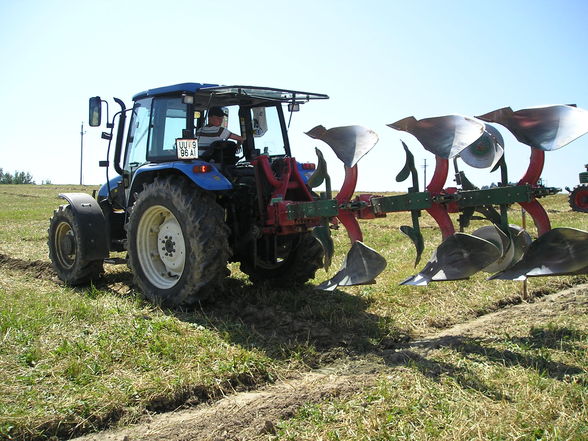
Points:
x=181 y=215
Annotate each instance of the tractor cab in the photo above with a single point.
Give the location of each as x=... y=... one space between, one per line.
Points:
x=165 y=122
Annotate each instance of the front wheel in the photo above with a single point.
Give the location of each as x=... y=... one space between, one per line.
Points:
x=66 y=250
x=178 y=243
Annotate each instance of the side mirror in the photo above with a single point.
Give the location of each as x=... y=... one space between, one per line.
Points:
x=95 y=116
x=294 y=107
x=259 y=121
x=187 y=99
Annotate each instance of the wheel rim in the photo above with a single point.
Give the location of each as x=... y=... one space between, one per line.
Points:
x=160 y=247
x=65 y=245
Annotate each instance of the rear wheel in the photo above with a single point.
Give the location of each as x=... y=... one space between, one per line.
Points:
x=579 y=199
x=178 y=243
x=295 y=261
x=66 y=251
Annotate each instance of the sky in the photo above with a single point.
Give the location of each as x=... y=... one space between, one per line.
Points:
x=379 y=61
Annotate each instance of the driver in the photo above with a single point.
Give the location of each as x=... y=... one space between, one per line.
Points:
x=214 y=131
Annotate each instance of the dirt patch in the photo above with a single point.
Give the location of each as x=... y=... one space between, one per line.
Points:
x=251 y=415
x=242 y=416
x=115 y=281
x=37 y=268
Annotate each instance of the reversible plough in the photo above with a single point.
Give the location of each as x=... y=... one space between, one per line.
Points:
x=502 y=249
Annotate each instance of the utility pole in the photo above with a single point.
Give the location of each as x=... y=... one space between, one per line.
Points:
x=81 y=151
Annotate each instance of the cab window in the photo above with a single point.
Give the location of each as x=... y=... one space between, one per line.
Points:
x=267 y=131
x=168 y=121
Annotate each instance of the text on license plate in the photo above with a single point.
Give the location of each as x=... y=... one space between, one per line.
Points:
x=187 y=148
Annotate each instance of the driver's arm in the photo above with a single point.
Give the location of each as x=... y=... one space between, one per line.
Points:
x=237 y=138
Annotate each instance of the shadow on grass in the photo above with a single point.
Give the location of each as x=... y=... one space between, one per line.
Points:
x=532 y=353
x=284 y=323
x=437 y=370
x=298 y=322
x=111 y=282
x=553 y=337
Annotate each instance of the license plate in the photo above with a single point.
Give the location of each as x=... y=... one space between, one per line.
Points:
x=187 y=148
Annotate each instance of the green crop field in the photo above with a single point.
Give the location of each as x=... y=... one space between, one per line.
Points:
x=78 y=360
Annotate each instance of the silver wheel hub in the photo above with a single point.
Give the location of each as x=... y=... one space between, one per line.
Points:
x=160 y=247
x=171 y=245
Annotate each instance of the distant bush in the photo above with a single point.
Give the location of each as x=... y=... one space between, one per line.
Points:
x=19 y=177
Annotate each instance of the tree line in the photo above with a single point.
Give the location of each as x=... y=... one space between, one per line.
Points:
x=19 y=177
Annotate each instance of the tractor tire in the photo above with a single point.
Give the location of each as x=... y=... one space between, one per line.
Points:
x=66 y=251
x=579 y=199
x=302 y=257
x=177 y=242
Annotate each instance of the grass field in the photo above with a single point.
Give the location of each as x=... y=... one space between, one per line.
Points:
x=74 y=361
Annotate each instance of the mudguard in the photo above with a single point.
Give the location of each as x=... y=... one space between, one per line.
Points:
x=94 y=240
x=212 y=180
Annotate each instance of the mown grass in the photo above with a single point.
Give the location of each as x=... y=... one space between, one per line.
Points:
x=25 y=214
x=530 y=382
x=76 y=360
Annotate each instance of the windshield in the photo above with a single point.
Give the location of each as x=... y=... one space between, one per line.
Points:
x=138 y=135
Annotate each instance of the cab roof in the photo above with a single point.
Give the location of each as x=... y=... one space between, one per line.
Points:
x=214 y=94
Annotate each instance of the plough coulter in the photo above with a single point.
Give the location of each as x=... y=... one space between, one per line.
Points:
x=504 y=250
x=187 y=199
